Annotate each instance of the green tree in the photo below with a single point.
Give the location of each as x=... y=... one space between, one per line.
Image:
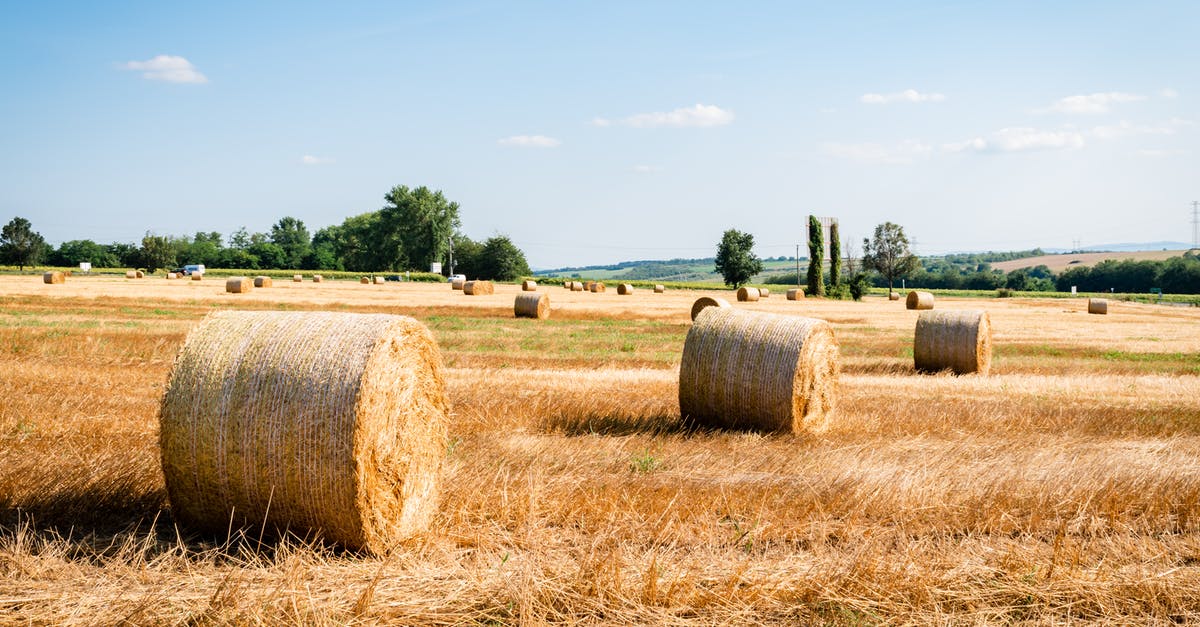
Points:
x=240 y=239
x=888 y=254
x=20 y=245
x=75 y=251
x=816 y=256
x=736 y=260
x=156 y=252
x=501 y=260
x=835 y=256
x=270 y=255
x=291 y=235
x=417 y=225
x=467 y=254
x=125 y=254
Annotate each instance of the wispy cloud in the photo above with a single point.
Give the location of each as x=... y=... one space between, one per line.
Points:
x=1090 y=104
x=165 y=67
x=1019 y=139
x=908 y=95
x=904 y=153
x=313 y=160
x=700 y=115
x=1167 y=92
x=1125 y=129
x=530 y=141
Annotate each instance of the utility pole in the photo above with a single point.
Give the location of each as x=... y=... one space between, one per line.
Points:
x=451 y=240
x=798 y=265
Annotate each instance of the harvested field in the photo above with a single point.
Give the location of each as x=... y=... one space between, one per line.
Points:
x=1064 y=487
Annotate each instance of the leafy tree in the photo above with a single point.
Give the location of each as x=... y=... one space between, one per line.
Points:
x=816 y=255
x=237 y=258
x=240 y=239
x=888 y=254
x=735 y=259
x=501 y=260
x=358 y=243
x=269 y=254
x=156 y=252
x=835 y=256
x=417 y=225
x=322 y=256
x=858 y=285
x=75 y=251
x=291 y=235
x=20 y=245
x=203 y=248
x=127 y=255
x=467 y=255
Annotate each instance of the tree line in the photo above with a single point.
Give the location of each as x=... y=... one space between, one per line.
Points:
x=413 y=229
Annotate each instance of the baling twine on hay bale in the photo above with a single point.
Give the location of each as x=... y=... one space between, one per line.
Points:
x=624 y=289
x=315 y=423
x=528 y=286
x=795 y=294
x=1098 y=306
x=748 y=294
x=478 y=288
x=659 y=289
x=707 y=301
x=764 y=292
x=532 y=305
x=238 y=285
x=263 y=281
x=960 y=341
x=919 y=300
x=749 y=369
x=54 y=278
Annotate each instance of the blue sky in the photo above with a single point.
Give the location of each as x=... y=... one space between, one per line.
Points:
x=598 y=132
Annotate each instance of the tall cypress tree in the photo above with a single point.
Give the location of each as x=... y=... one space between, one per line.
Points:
x=816 y=254
x=835 y=256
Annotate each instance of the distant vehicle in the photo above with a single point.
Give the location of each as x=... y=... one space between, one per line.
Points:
x=457 y=277
x=190 y=269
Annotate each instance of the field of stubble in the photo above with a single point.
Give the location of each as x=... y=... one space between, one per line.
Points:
x=1063 y=488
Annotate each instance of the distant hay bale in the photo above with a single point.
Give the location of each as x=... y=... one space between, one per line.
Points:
x=54 y=278
x=953 y=340
x=1098 y=306
x=659 y=289
x=172 y=276
x=707 y=301
x=379 y=280
x=567 y=284
x=532 y=305
x=364 y=280
x=263 y=281
x=748 y=294
x=238 y=285
x=893 y=296
x=576 y=286
x=319 y=424
x=478 y=288
x=139 y=274
x=131 y=274
x=587 y=286
x=196 y=276
x=624 y=289
x=795 y=294
x=317 y=278
x=528 y=286
x=764 y=292
x=749 y=369
x=597 y=287
x=297 y=278
x=457 y=284
x=919 y=300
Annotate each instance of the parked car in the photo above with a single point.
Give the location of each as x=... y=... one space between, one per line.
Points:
x=457 y=277
x=190 y=269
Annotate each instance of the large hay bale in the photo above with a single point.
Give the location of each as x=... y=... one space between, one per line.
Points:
x=478 y=288
x=238 y=285
x=172 y=276
x=318 y=278
x=364 y=280
x=795 y=294
x=953 y=340
x=140 y=275
x=893 y=296
x=314 y=423
x=919 y=300
x=748 y=294
x=1098 y=306
x=457 y=284
x=576 y=286
x=131 y=274
x=379 y=280
x=597 y=288
x=196 y=276
x=764 y=292
x=624 y=289
x=263 y=281
x=749 y=369
x=532 y=305
x=297 y=278
x=659 y=289
x=707 y=301
x=528 y=286
x=54 y=277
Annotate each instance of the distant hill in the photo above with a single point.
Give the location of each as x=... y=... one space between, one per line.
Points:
x=1127 y=248
x=689 y=270
x=1063 y=261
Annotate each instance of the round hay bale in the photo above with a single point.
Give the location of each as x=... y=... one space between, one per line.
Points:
x=528 y=286
x=919 y=300
x=131 y=274
x=54 y=278
x=364 y=280
x=379 y=280
x=314 y=423
x=1098 y=306
x=597 y=288
x=532 y=305
x=140 y=275
x=749 y=369
x=953 y=340
x=659 y=289
x=297 y=278
x=576 y=286
x=196 y=276
x=893 y=296
x=795 y=294
x=624 y=289
x=587 y=285
x=707 y=301
x=748 y=294
x=478 y=288
x=318 y=278
x=263 y=281
x=457 y=284
x=171 y=276
x=764 y=292
x=238 y=285
x=567 y=284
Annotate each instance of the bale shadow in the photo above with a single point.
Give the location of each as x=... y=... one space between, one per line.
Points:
x=608 y=424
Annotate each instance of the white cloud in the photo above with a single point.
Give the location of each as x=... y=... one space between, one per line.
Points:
x=904 y=153
x=1125 y=129
x=647 y=169
x=1092 y=103
x=1019 y=139
x=908 y=95
x=699 y=115
x=1167 y=92
x=311 y=160
x=530 y=141
x=165 y=67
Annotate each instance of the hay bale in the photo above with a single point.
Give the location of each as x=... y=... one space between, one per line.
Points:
x=764 y=292
x=587 y=286
x=748 y=294
x=478 y=288
x=528 y=286
x=379 y=280
x=171 y=276
x=130 y=274
x=919 y=300
x=364 y=280
x=532 y=305
x=1098 y=306
x=749 y=369
x=707 y=301
x=54 y=278
x=597 y=288
x=659 y=289
x=297 y=278
x=318 y=278
x=238 y=285
x=314 y=423
x=893 y=296
x=795 y=294
x=953 y=340
x=567 y=284
x=140 y=274
x=457 y=284
x=196 y=276
x=576 y=286
x=624 y=289
x=263 y=281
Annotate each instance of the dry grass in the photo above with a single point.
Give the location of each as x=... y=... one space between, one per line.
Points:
x=1065 y=487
